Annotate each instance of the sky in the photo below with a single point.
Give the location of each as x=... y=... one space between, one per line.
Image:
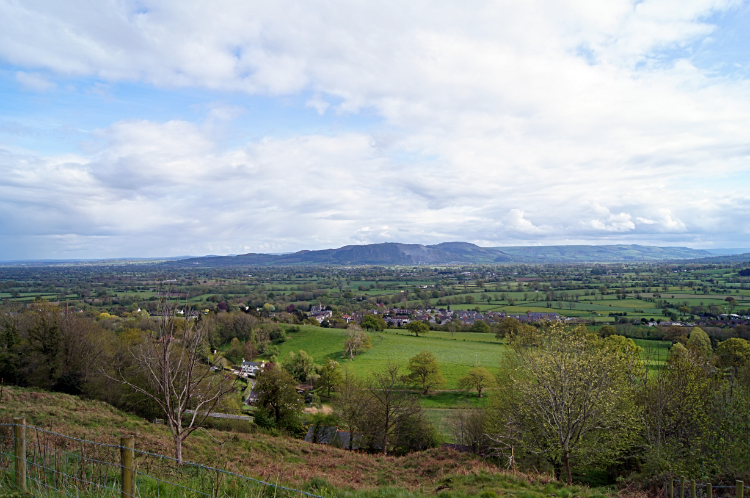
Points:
x=169 y=128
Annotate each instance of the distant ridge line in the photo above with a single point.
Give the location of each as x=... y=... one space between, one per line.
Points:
x=447 y=253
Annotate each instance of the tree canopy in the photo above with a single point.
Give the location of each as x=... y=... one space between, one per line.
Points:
x=424 y=371
x=574 y=397
x=277 y=393
x=478 y=378
x=480 y=326
x=416 y=327
x=374 y=323
x=330 y=375
x=699 y=340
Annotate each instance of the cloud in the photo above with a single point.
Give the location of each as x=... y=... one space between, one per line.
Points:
x=34 y=81
x=609 y=222
x=516 y=221
x=316 y=102
x=151 y=188
x=518 y=122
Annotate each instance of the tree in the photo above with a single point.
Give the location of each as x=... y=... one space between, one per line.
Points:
x=575 y=396
x=10 y=347
x=391 y=407
x=277 y=392
x=45 y=339
x=373 y=323
x=607 y=330
x=700 y=341
x=424 y=371
x=416 y=327
x=734 y=352
x=468 y=427
x=508 y=328
x=477 y=378
x=249 y=351
x=353 y=405
x=676 y=334
x=299 y=365
x=172 y=358
x=330 y=375
x=356 y=341
x=480 y=326
x=742 y=332
x=235 y=353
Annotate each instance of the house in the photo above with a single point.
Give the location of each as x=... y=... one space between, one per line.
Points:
x=253 y=396
x=397 y=322
x=250 y=368
x=321 y=315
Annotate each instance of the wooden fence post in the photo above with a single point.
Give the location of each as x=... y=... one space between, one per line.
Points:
x=20 y=439
x=692 y=489
x=740 y=489
x=127 y=457
x=671 y=487
x=709 y=491
x=682 y=487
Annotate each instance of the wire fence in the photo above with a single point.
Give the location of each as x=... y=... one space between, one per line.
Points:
x=47 y=464
x=686 y=488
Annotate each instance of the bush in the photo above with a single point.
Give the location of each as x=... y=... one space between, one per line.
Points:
x=263 y=419
x=317 y=485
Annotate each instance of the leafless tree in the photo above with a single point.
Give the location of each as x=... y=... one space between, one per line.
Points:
x=172 y=360
x=356 y=341
x=467 y=425
x=391 y=405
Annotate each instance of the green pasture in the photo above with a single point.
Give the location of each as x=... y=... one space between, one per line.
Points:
x=441 y=422
x=454 y=399
x=455 y=356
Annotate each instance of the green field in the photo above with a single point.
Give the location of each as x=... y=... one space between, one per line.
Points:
x=455 y=356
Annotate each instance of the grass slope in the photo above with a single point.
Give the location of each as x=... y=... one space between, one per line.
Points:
x=285 y=460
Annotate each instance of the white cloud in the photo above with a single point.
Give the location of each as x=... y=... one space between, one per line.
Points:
x=515 y=220
x=511 y=122
x=614 y=223
x=318 y=103
x=34 y=81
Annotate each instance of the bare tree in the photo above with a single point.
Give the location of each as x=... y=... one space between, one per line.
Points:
x=467 y=425
x=172 y=360
x=391 y=406
x=356 y=341
x=353 y=405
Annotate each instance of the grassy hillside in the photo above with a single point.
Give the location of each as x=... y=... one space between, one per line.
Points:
x=284 y=460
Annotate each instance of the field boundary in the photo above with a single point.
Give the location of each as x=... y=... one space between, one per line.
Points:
x=45 y=463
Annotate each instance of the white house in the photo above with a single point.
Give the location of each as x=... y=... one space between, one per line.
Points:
x=250 y=367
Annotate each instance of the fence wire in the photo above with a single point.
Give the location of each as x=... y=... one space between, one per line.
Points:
x=719 y=490
x=63 y=466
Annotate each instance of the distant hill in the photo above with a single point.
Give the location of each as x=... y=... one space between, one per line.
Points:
x=613 y=253
x=451 y=253
x=723 y=259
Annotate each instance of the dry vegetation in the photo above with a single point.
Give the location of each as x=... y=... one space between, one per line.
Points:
x=283 y=459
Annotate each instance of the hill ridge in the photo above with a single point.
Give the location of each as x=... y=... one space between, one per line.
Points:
x=456 y=252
